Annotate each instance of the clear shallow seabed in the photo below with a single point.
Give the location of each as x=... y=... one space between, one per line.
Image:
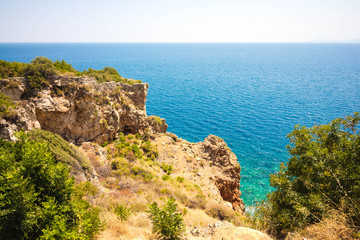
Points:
x=251 y=95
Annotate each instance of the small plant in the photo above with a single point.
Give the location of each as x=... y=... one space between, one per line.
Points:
x=180 y=179
x=166 y=177
x=6 y=105
x=138 y=171
x=201 y=163
x=136 y=151
x=122 y=212
x=167 y=168
x=167 y=222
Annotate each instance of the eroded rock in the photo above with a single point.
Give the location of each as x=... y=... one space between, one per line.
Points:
x=79 y=109
x=227 y=178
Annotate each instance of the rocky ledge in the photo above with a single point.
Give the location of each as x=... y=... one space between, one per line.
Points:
x=78 y=109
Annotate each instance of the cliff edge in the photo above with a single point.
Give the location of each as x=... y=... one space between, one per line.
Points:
x=78 y=109
x=137 y=155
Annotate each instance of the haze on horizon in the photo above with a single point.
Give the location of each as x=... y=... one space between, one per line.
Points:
x=180 y=21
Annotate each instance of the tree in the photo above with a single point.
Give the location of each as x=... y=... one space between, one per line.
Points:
x=323 y=173
x=37 y=197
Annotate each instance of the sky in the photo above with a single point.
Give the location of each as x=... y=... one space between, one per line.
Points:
x=180 y=21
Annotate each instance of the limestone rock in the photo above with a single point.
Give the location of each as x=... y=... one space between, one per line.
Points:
x=79 y=109
x=227 y=179
x=210 y=164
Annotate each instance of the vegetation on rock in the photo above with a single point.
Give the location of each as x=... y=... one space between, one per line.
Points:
x=38 y=71
x=6 y=105
x=108 y=74
x=62 y=151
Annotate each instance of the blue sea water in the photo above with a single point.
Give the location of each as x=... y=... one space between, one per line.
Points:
x=251 y=95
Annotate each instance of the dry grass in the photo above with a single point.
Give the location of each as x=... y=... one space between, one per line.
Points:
x=334 y=227
x=224 y=213
x=197 y=217
x=137 y=227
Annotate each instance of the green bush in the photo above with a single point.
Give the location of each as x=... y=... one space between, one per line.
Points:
x=122 y=212
x=121 y=165
x=165 y=177
x=167 y=168
x=64 y=67
x=40 y=69
x=38 y=72
x=166 y=221
x=322 y=174
x=6 y=105
x=150 y=151
x=108 y=74
x=11 y=69
x=138 y=171
x=62 y=150
x=136 y=151
x=37 y=199
x=180 y=179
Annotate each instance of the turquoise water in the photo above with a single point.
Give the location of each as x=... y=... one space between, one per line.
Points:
x=251 y=95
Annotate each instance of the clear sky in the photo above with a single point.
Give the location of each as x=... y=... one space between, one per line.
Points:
x=180 y=21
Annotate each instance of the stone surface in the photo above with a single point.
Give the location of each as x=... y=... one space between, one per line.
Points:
x=228 y=182
x=225 y=231
x=79 y=109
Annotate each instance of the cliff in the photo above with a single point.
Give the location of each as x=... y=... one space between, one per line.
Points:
x=78 y=109
x=139 y=157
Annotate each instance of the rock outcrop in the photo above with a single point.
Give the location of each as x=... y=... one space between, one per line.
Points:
x=227 y=179
x=210 y=164
x=79 y=109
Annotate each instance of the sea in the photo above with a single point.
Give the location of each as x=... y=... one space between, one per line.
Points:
x=251 y=95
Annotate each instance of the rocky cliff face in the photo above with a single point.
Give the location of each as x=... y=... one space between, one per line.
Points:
x=78 y=109
x=210 y=164
x=227 y=175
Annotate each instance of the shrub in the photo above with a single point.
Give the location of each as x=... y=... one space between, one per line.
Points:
x=180 y=179
x=138 y=171
x=11 y=69
x=38 y=72
x=37 y=198
x=167 y=222
x=136 y=151
x=149 y=150
x=108 y=74
x=220 y=211
x=322 y=174
x=6 y=105
x=166 y=177
x=62 y=150
x=121 y=165
x=64 y=67
x=41 y=68
x=167 y=168
x=122 y=212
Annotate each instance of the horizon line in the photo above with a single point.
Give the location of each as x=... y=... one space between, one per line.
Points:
x=310 y=42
